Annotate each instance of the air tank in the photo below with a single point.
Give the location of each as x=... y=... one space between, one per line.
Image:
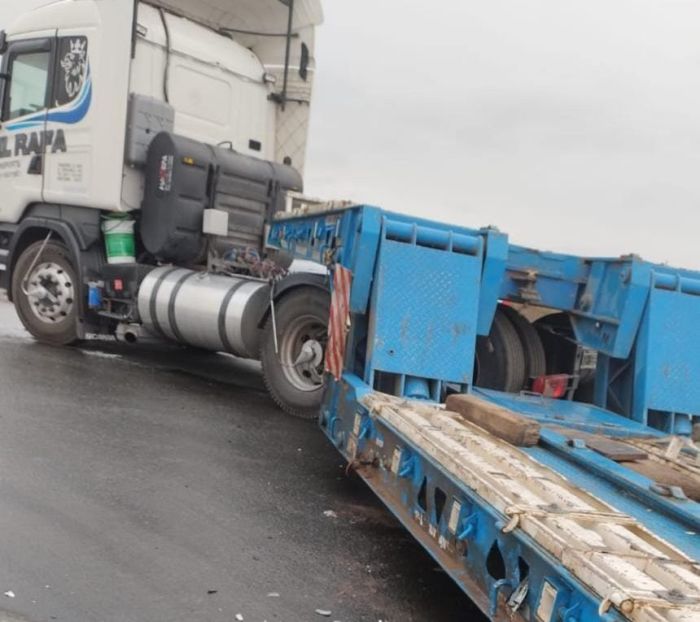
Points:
x=218 y=313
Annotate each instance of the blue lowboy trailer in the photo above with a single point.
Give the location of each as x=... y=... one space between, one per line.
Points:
x=598 y=518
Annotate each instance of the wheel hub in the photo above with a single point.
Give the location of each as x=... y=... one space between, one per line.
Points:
x=302 y=353
x=311 y=354
x=49 y=290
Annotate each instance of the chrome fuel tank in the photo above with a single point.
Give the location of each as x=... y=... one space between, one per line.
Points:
x=213 y=312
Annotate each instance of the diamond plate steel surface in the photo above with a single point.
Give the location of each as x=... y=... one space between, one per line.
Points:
x=668 y=369
x=425 y=313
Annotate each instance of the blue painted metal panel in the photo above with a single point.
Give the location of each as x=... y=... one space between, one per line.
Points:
x=364 y=227
x=425 y=325
x=611 y=305
x=583 y=417
x=667 y=373
x=606 y=297
x=548 y=279
x=318 y=238
x=495 y=261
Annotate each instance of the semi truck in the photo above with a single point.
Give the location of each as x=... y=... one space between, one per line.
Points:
x=529 y=417
x=144 y=147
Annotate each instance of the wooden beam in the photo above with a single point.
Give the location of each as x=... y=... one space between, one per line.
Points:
x=503 y=423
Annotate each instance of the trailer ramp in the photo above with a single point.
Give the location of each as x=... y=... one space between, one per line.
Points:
x=629 y=569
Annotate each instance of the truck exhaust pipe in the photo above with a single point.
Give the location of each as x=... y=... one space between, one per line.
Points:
x=129 y=333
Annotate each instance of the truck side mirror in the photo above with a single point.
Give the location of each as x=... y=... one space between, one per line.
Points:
x=3 y=42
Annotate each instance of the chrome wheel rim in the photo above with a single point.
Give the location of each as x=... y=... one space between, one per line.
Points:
x=49 y=290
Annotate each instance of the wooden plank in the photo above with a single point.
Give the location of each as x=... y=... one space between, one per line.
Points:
x=610 y=448
x=503 y=423
x=619 y=452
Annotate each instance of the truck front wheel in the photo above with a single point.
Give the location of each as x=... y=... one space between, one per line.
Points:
x=293 y=363
x=45 y=290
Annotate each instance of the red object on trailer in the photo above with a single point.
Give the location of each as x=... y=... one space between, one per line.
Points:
x=554 y=386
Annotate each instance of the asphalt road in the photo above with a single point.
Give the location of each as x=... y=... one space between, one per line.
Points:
x=162 y=485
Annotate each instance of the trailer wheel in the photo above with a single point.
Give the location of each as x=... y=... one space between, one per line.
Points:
x=45 y=290
x=500 y=358
x=535 y=358
x=294 y=374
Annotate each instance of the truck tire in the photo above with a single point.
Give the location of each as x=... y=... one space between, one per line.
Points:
x=535 y=359
x=500 y=358
x=45 y=293
x=301 y=318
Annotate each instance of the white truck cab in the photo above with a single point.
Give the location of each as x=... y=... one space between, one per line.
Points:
x=189 y=121
x=74 y=66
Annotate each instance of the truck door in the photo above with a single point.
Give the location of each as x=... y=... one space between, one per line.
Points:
x=68 y=170
x=28 y=68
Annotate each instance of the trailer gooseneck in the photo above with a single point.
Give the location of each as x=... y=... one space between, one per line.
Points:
x=590 y=510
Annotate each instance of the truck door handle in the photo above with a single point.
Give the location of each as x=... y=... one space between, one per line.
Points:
x=36 y=165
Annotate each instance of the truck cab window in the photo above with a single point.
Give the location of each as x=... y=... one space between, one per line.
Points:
x=28 y=84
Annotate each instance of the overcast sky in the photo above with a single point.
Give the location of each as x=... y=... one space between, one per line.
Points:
x=571 y=124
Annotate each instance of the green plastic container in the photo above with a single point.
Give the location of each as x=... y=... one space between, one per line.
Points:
x=120 y=243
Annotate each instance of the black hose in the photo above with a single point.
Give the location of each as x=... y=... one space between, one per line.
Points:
x=255 y=33
x=166 y=76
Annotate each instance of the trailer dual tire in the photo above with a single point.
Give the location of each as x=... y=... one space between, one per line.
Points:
x=45 y=292
x=293 y=363
x=500 y=357
x=535 y=358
